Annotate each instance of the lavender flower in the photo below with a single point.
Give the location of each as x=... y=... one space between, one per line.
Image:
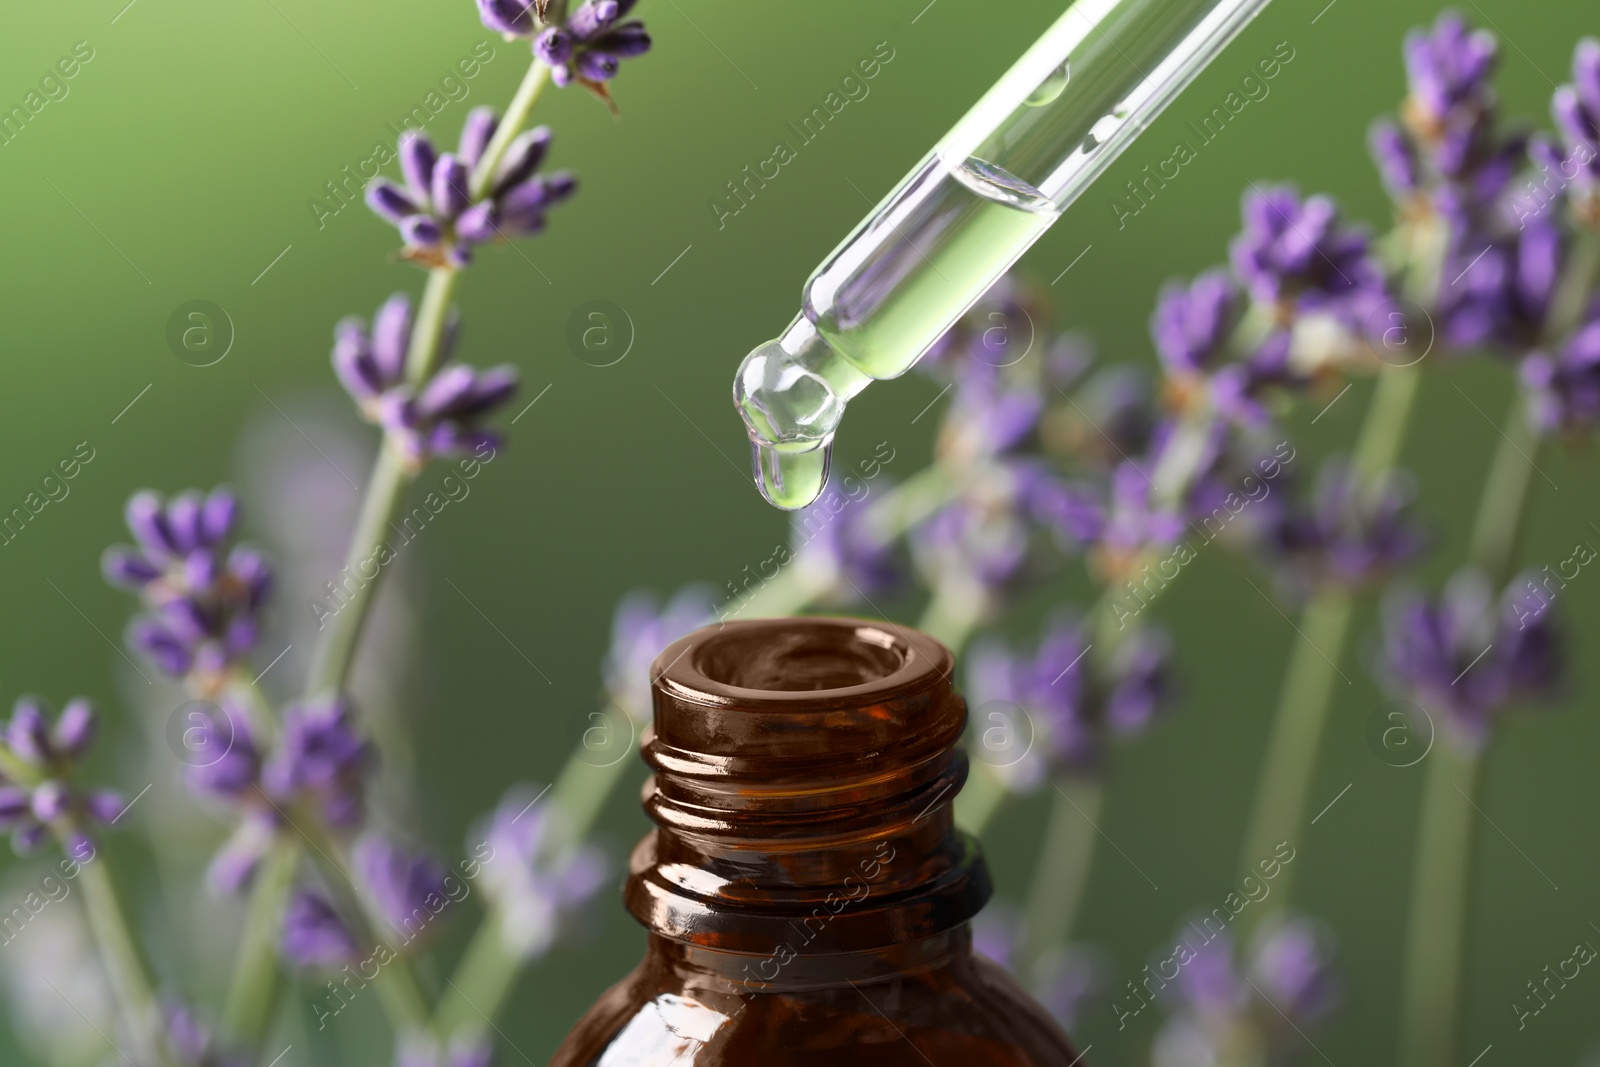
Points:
x=537 y=877
x=444 y=414
x=407 y=887
x=1467 y=657
x=843 y=551
x=321 y=758
x=314 y=936
x=435 y=210
x=462 y=1051
x=222 y=758
x=589 y=47
x=192 y=1041
x=38 y=759
x=640 y=629
x=1351 y=533
x=1576 y=109
x=1563 y=391
x=1299 y=257
x=1076 y=703
x=1192 y=322
x=1254 y=1010
x=203 y=598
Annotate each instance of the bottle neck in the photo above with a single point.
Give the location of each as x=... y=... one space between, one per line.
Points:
x=700 y=970
x=804 y=776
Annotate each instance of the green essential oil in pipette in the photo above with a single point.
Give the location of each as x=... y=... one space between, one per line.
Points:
x=953 y=226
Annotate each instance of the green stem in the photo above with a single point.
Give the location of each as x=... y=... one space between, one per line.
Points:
x=1434 y=943
x=1505 y=496
x=252 y=995
x=484 y=979
x=124 y=966
x=1062 y=873
x=511 y=124
x=1436 y=935
x=1288 y=768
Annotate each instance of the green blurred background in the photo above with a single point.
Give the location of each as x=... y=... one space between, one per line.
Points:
x=181 y=164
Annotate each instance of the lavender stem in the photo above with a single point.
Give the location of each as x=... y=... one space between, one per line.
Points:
x=253 y=992
x=1447 y=823
x=1062 y=873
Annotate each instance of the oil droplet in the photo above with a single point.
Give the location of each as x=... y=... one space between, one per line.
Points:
x=791 y=480
x=1051 y=87
x=1001 y=186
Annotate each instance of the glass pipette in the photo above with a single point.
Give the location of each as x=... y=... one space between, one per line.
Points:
x=985 y=193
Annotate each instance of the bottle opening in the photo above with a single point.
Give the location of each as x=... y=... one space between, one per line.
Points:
x=802 y=660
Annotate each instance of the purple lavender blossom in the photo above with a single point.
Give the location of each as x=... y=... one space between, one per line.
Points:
x=589 y=47
x=193 y=1042
x=443 y=415
x=1299 y=257
x=1468 y=658
x=836 y=541
x=314 y=936
x=1076 y=703
x=435 y=210
x=640 y=629
x=406 y=886
x=1576 y=109
x=321 y=757
x=1192 y=322
x=1350 y=534
x=1284 y=986
x=222 y=758
x=43 y=756
x=1563 y=391
x=537 y=876
x=1501 y=287
x=463 y=1051
x=203 y=599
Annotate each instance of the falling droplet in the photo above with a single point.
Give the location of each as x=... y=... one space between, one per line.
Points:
x=791 y=480
x=1051 y=87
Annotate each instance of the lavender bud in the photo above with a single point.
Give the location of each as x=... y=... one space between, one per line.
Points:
x=51 y=801
x=421 y=231
x=417 y=160
x=387 y=199
x=15 y=806
x=477 y=132
x=27 y=734
x=554 y=46
x=477 y=223
x=598 y=66
x=448 y=388
x=450 y=184
x=391 y=336
x=127 y=568
x=220 y=514
x=593 y=18
x=522 y=158
x=512 y=17
x=147 y=521
x=183 y=520
x=627 y=41
x=75 y=730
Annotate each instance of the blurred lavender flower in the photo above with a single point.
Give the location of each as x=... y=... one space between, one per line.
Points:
x=313 y=933
x=37 y=760
x=406 y=887
x=1299 y=257
x=639 y=631
x=1256 y=1010
x=537 y=878
x=222 y=759
x=1350 y=533
x=1576 y=109
x=435 y=210
x=1192 y=322
x=320 y=757
x=193 y=1042
x=1075 y=702
x=203 y=598
x=1468 y=657
x=424 y=1051
x=1066 y=980
x=835 y=542
x=589 y=47
x=442 y=415
x=1563 y=391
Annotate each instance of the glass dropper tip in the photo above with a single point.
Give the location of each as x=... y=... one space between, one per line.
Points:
x=791 y=394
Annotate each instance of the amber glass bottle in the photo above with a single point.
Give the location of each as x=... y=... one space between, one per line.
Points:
x=806 y=891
